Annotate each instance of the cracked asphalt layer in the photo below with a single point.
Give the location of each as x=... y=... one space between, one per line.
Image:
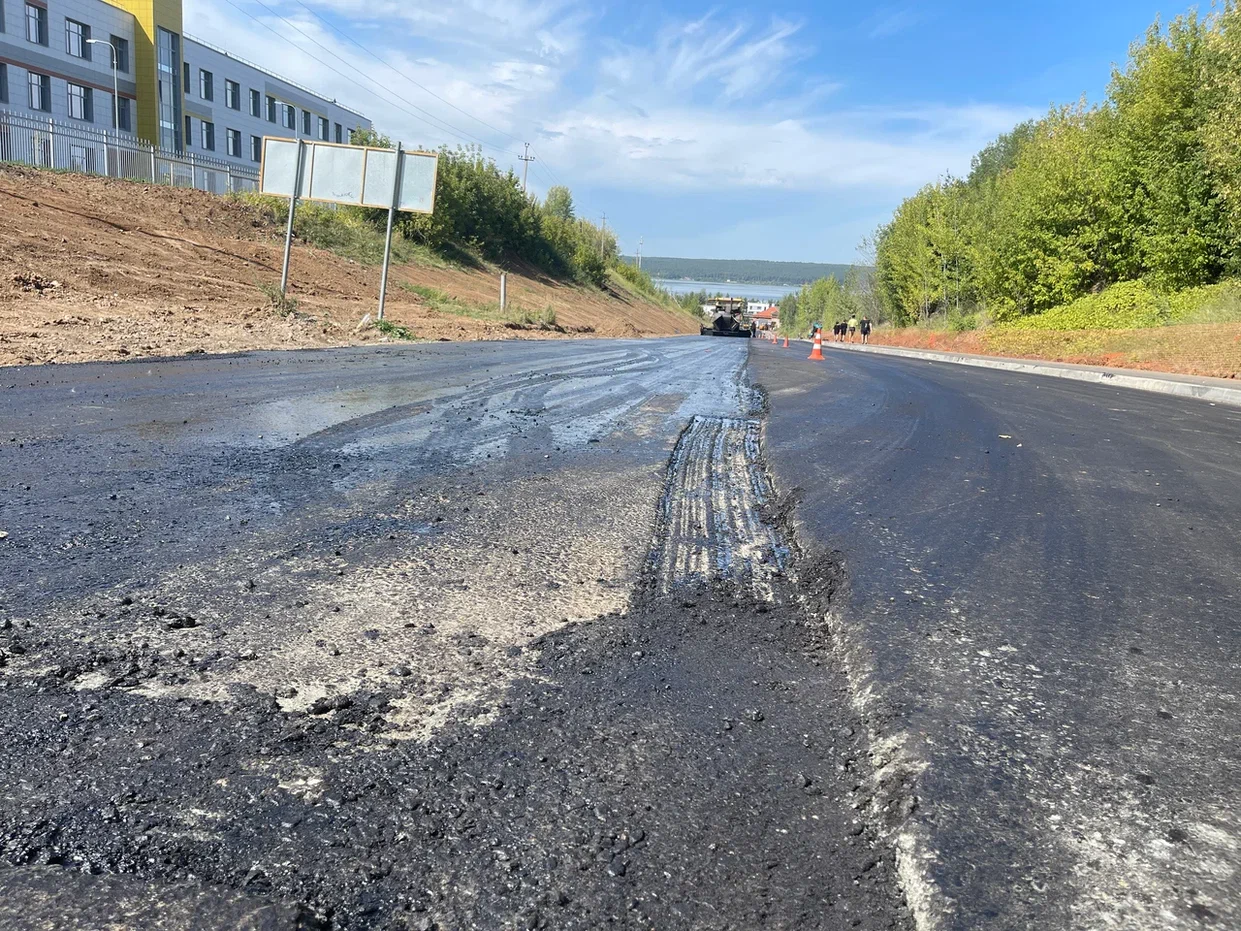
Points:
x=379 y=639
x=1040 y=602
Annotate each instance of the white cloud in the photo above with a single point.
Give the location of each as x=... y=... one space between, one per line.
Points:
x=890 y=21
x=709 y=106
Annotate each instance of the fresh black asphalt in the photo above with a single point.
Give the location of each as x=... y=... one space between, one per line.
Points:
x=1007 y=646
x=413 y=638
x=1042 y=612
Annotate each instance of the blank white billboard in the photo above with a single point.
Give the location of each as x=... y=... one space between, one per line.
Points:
x=349 y=174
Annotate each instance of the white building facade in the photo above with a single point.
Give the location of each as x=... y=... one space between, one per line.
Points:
x=181 y=95
x=231 y=104
x=50 y=68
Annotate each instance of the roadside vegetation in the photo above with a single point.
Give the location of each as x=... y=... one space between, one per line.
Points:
x=444 y=303
x=830 y=299
x=1121 y=215
x=481 y=217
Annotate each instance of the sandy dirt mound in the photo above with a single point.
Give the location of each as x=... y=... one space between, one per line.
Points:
x=96 y=268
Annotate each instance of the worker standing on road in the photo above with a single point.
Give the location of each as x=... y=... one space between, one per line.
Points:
x=865 y=327
x=852 y=327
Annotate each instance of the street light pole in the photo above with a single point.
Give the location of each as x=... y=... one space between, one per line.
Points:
x=116 y=97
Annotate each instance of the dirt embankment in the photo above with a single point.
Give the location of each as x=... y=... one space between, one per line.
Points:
x=1211 y=349
x=95 y=268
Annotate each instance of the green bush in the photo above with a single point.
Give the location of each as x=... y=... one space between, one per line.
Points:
x=396 y=331
x=590 y=265
x=480 y=211
x=961 y=322
x=347 y=231
x=1127 y=305
x=1133 y=305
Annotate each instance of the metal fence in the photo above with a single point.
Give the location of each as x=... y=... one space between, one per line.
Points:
x=47 y=143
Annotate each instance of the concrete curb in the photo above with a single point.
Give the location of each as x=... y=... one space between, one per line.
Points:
x=1213 y=390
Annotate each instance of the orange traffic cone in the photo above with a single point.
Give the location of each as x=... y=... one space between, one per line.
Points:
x=816 y=354
x=786 y=342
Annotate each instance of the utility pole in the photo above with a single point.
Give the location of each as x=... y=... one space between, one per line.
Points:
x=603 y=230
x=640 y=241
x=525 y=169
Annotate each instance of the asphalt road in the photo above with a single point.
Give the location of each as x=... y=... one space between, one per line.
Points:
x=1038 y=587
x=473 y=636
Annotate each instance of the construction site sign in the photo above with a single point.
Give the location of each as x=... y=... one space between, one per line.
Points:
x=356 y=175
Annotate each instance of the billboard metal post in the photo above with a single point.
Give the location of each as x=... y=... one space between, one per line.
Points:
x=355 y=175
x=503 y=292
x=396 y=195
x=288 y=233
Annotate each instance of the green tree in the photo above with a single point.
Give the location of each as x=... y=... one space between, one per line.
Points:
x=1221 y=130
x=559 y=203
x=1164 y=187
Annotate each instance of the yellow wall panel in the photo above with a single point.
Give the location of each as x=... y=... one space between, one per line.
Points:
x=149 y=15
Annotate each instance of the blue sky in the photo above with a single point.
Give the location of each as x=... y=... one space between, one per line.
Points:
x=776 y=130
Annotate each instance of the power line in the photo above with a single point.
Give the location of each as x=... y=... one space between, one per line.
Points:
x=344 y=35
x=429 y=118
x=401 y=74
x=551 y=170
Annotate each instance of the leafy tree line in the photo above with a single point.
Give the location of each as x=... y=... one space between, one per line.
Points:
x=482 y=210
x=831 y=299
x=1143 y=187
x=743 y=271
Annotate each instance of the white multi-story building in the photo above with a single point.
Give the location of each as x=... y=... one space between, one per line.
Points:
x=178 y=93
x=231 y=104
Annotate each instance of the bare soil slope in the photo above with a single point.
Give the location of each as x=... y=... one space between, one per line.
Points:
x=95 y=268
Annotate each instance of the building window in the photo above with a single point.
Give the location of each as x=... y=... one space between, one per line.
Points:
x=232 y=94
x=307 y=122
x=82 y=158
x=232 y=139
x=122 y=53
x=189 y=131
x=207 y=137
x=206 y=85
x=168 y=62
x=256 y=103
x=4 y=82
x=288 y=116
x=80 y=103
x=323 y=128
x=185 y=76
x=36 y=24
x=40 y=91
x=271 y=109
x=256 y=148
x=122 y=114
x=77 y=39
x=339 y=133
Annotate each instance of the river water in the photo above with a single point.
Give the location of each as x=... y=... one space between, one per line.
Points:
x=754 y=292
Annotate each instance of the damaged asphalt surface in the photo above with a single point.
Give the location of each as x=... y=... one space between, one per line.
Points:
x=1040 y=620
x=594 y=634
x=499 y=636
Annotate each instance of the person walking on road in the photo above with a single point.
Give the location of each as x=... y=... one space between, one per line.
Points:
x=865 y=328
x=852 y=327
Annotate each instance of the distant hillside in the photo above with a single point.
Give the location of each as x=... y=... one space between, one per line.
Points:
x=743 y=271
